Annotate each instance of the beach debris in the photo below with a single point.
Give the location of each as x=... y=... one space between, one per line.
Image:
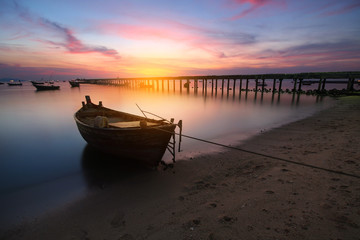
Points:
x=213 y=205
x=227 y=219
x=118 y=220
x=126 y=236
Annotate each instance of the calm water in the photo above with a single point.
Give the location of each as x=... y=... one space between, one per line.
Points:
x=45 y=163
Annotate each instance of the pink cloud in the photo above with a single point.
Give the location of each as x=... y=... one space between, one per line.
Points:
x=207 y=40
x=254 y=5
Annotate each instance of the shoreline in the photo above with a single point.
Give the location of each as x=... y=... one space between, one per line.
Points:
x=232 y=194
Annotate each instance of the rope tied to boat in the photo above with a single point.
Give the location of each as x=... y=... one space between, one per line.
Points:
x=265 y=155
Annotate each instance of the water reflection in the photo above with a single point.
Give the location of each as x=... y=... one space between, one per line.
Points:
x=100 y=169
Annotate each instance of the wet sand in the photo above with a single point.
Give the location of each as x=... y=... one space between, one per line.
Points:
x=232 y=195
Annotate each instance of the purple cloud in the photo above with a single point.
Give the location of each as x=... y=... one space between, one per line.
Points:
x=69 y=41
x=347 y=7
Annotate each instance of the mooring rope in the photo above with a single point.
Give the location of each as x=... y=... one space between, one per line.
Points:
x=264 y=155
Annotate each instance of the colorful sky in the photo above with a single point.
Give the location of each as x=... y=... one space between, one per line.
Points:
x=137 y=38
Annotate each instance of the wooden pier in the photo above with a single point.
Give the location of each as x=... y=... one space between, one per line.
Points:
x=317 y=79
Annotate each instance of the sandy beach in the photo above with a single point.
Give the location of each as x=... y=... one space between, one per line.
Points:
x=232 y=194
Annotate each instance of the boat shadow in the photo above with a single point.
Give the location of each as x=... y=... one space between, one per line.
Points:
x=100 y=169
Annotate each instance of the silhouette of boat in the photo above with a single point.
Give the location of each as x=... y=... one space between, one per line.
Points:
x=44 y=87
x=74 y=83
x=36 y=83
x=13 y=83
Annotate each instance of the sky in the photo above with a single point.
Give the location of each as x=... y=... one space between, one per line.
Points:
x=140 y=38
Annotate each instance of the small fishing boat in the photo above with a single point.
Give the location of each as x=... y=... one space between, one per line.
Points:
x=43 y=87
x=74 y=83
x=36 y=83
x=13 y=83
x=129 y=137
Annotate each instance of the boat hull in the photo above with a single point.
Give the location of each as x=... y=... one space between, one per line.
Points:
x=144 y=146
x=15 y=84
x=46 y=87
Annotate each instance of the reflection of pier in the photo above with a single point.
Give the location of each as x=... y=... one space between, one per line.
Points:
x=318 y=80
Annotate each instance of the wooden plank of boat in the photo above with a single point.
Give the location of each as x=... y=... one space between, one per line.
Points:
x=127 y=136
x=131 y=124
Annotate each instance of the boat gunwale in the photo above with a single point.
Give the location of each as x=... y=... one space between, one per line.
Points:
x=162 y=124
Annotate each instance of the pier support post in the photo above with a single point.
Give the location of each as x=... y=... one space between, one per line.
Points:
x=350 y=85
x=274 y=85
x=247 y=85
x=222 y=85
x=263 y=85
x=319 y=86
x=234 y=84
x=228 y=86
x=280 y=84
x=212 y=86
x=323 y=84
x=300 y=84
x=240 y=85
x=295 y=82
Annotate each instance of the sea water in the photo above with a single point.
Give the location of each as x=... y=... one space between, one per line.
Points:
x=45 y=163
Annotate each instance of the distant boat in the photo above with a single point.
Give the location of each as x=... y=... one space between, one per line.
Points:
x=43 y=87
x=13 y=83
x=306 y=83
x=259 y=84
x=74 y=83
x=127 y=136
x=36 y=83
x=1 y=83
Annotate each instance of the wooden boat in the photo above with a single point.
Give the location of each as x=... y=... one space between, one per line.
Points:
x=74 y=83
x=44 y=87
x=13 y=83
x=129 y=137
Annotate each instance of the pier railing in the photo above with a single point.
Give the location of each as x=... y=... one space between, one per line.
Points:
x=320 y=79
